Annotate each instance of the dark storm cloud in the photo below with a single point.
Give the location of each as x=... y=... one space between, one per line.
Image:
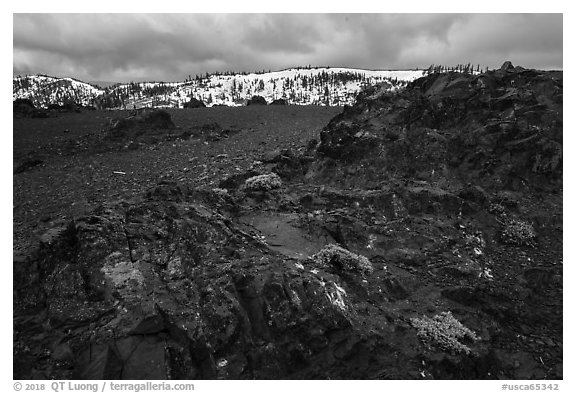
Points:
x=125 y=47
x=278 y=33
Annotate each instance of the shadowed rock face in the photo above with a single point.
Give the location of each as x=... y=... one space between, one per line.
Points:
x=237 y=283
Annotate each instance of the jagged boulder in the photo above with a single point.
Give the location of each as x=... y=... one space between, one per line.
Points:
x=145 y=126
x=493 y=128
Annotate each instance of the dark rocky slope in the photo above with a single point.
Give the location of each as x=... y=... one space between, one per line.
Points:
x=443 y=205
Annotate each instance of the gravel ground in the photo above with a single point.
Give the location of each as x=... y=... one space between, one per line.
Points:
x=74 y=177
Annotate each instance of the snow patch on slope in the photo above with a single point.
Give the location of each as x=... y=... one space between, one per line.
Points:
x=298 y=86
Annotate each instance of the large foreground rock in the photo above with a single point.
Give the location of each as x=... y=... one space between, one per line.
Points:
x=167 y=289
x=170 y=288
x=501 y=129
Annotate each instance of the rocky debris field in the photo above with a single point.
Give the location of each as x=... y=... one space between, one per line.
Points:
x=418 y=235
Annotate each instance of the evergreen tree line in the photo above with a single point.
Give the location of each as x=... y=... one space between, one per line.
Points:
x=322 y=88
x=464 y=68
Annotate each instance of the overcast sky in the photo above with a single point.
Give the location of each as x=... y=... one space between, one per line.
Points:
x=169 y=47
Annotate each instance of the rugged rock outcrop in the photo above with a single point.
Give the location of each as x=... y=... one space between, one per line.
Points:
x=146 y=126
x=501 y=129
x=382 y=252
x=170 y=288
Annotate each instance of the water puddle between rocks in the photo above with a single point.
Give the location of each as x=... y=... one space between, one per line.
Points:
x=282 y=233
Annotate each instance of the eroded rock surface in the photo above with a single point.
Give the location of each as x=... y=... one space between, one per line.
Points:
x=412 y=191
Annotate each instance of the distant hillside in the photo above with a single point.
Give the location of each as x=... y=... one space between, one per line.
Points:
x=298 y=86
x=44 y=90
x=103 y=84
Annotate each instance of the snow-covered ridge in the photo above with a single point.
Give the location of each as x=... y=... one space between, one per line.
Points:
x=44 y=90
x=299 y=86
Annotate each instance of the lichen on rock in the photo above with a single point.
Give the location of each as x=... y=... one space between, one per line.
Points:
x=444 y=331
x=343 y=259
x=266 y=182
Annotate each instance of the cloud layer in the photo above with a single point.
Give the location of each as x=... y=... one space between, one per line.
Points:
x=125 y=47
